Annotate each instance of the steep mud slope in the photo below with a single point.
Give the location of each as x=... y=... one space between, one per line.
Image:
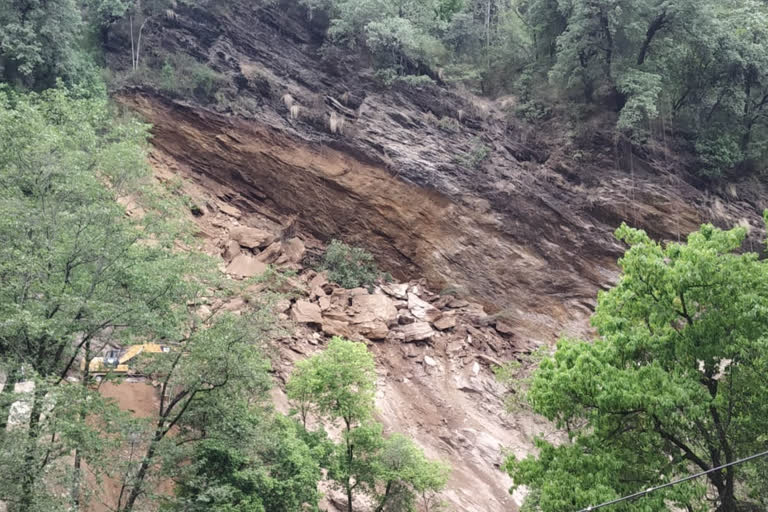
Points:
x=526 y=230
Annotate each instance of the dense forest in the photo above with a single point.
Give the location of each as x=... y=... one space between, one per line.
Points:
x=673 y=383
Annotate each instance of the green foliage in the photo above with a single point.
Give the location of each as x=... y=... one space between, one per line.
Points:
x=340 y=381
x=78 y=273
x=672 y=385
x=476 y=156
x=701 y=65
x=349 y=266
x=339 y=384
x=642 y=90
x=39 y=41
x=273 y=470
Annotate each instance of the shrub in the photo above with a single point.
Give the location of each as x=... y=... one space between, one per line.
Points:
x=349 y=266
x=476 y=156
x=448 y=124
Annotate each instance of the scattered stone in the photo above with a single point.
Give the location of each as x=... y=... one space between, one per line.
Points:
x=282 y=306
x=336 y=328
x=324 y=303
x=246 y=265
x=442 y=302
x=368 y=308
x=292 y=252
x=476 y=368
x=374 y=330
x=421 y=309
x=231 y=250
x=405 y=319
x=319 y=281
x=503 y=327
x=271 y=253
x=409 y=350
x=457 y=303
x=229 y=210
x=398 y=291
x=417 y=331
x=489 y=360
x=236 y=304
x=445 y=322
x=335 y=314
x=252 y=238
x=429 y=361
x=306 y=312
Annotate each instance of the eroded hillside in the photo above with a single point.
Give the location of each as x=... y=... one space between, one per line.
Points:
x=526 y=230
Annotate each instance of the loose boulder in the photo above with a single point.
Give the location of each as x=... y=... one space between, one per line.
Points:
x=376 y=307
x=306 y=312
x=445 y=322
x=253 y=238
x=417 y=331
x=422 y=310
x=245 y=265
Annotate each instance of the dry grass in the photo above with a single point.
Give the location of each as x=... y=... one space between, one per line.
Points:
x=294 y=111
x=287 y=100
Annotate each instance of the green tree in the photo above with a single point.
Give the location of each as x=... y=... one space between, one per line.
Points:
x=39 y=41
x=270 y=468
x=349 y=266
x=408 y=477
x=343 y=381
x=339 y=383
x=210 y=376
x=673 y=384
x=77 y=272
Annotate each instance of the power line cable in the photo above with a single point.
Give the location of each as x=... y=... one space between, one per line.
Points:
x=675 y=482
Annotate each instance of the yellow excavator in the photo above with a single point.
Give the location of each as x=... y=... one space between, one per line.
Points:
x=116 y=360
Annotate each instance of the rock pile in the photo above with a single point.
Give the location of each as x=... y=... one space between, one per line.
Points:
x=397 y=313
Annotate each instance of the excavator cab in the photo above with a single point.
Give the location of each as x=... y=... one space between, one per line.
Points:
x=115 y=361
x=112 y=359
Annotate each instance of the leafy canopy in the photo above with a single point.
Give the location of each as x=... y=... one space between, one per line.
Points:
x=673 y=384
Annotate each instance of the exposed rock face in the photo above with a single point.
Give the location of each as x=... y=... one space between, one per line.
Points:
x=529 y=234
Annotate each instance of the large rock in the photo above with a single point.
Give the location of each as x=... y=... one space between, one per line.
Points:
x=231 y=250
x=445 y=322
x=504 y=327
x=253 y=238
x=317 y=284
x=374 y=330
x=306 y=312
x=245 y=265
x=271 y=253
x=292 y=252
x=417 y=331
x=396 y=290
x=422 y=310
x=336 y=328
x=376 y=307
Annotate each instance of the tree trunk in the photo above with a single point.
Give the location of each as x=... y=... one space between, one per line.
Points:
x=653 y=28
x=6 y=396
x=31 y=467
x=76 y=470
x=137 y=485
